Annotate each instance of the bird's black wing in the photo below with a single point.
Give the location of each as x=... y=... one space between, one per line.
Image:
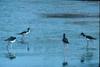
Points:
x=90 y=37
x=10 y=39
x=22 y=33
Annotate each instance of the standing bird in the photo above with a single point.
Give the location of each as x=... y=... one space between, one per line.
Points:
x=23 y=36
x=10 y=40
x=65 y=41
x=24 y=33
x=88 y=37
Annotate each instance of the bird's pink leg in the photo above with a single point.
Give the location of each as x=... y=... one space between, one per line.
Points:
x=8 y=47
x=87 y=46
x=23 y=37
x=65 y=48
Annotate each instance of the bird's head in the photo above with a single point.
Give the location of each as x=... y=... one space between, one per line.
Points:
x=28 y=28
x=82 y=34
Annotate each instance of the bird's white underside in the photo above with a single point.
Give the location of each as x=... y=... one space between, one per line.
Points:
x=28 y=32
x=13 y=41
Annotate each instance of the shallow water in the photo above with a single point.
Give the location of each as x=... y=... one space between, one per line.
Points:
x=45 y=39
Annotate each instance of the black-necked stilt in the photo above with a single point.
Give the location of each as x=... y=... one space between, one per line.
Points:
x=88 y=37
x=65 y=41
x=24 y=33
x=23 y=36
x=10 y=40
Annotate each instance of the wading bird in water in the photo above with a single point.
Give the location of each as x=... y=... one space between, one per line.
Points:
x=66 y=42
x=23 y=34
x=88 y=38
x=10 y=40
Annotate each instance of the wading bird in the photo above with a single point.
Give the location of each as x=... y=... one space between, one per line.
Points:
x=10 y=40
x=88 y=37
x=23 y=34
x=66 y=42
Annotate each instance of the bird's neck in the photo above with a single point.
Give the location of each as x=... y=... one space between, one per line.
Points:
x=28 y=30
x=64 y=36
x=84 y=35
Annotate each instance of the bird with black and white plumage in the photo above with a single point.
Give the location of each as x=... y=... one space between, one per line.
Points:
x=10 y=40
x=88 y=37
x=65 y=41
x=25 y=32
